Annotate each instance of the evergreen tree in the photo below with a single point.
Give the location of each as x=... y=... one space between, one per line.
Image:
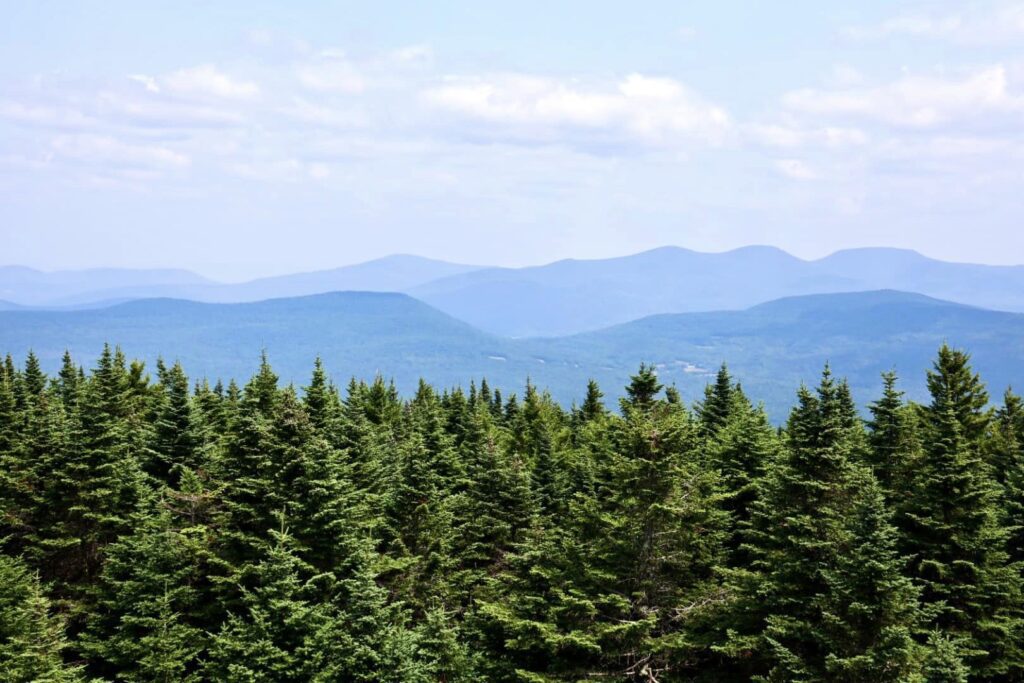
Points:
x=1008 y=448
x=461 y=537
x=68 y=380
x=94 y=485
x=642 y=389
x=173 y=440
x=944 y=663
x=894 y=443
x=614 y=590
x=155 y=601
x=593 y=404
x=31 y=634
x=442 y=649
x=271 y=636
x=826 y=614
x=719 y=400
x=969 y=589
x=742 y=449
x=33 y=377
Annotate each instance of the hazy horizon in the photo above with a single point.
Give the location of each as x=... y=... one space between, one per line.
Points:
x=250 y=139
x=238 y=280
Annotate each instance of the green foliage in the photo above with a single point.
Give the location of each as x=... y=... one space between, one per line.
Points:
x=153 y=531
x=955 y=539
x=825 y=581
x=31 y=634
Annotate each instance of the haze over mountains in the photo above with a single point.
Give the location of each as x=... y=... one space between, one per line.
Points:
x=774 y=318
x=31 y=287
x=572 y=296
x=770 y=348
x=564 y=297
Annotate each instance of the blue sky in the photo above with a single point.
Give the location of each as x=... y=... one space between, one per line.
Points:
x=250 y=138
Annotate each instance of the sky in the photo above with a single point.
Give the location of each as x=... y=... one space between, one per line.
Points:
x=250 y=138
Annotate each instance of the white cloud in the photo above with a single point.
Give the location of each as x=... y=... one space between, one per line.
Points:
x=974 y=25
x=949 y=147
x=100 y=150
x=260 y=36
x=279 y=170
x=795 y=169
x=331 y=73
x=844 y=75
x=643 y=107
x=794 y=135
x=414 y=55
x=148 y=82
x=45 y=115
x=319 y=171
x=117 y=108
x=916 y=101
x=208 y=80
x=328 y=116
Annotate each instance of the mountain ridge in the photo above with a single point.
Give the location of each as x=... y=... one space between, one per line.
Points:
x=770 y=347
x=570 y=296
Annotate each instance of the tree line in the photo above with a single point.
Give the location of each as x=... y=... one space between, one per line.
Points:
x=156 y=530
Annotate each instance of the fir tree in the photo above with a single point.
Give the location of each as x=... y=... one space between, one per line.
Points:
x=173 y=440
x=33 y=377
x=969 y=589
x=593 y=405
x=1008 y=448
x=155 y=601
x=818 y=521
x=32 y=636
x=642 y=389
x=894 y=443
x=715 y=410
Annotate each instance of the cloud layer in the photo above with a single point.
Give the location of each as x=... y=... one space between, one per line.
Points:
x=388 y=135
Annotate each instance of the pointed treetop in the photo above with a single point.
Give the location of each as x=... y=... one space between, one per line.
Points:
x=643 y=387
x=593 y=404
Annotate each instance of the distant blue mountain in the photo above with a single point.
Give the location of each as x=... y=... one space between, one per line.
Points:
x=771 y=348
x=31 y=287
x=572 y=296
x=564 y=297
x=73 y=289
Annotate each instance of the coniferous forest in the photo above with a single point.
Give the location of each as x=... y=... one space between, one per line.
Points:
x=159 y=529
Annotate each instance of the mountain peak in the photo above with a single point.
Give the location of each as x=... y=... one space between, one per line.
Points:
x=889 y=253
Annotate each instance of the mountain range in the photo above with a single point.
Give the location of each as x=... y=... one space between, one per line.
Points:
x=561 y=298
x=97 y=287
x=771 y=348
x=577 y=295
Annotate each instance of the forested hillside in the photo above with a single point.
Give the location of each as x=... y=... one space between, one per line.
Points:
x=771 y=348
x=577 y=295
x=159 y=530
x=559 y=298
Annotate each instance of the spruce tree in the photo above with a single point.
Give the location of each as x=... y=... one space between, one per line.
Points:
x=593 y=404
x=68 y=380
x=270 y=637
x=33 y=377
x=715 y=410
x=617 y=586
x=1008 y=449
x=894 y=444
x=826 y=614
x=969 y=588
x=741 y=451
x=32 y=637
x=155 y=599
x=173 y=439
x=95 y=485
x=642 y=388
